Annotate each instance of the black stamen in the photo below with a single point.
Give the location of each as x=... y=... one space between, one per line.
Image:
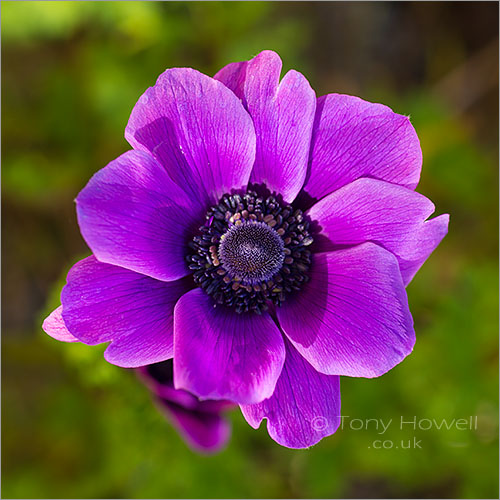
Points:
x=251 y=252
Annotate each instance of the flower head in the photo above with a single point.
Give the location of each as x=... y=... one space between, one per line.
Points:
x=260 y=237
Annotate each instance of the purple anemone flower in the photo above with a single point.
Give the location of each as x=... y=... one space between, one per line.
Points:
x=259 y=236
x=200 y=423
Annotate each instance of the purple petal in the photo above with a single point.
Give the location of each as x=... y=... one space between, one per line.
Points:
x=132 y=215
x=304 y=408
x=424 y=243
x=220 y=354
x=55 y=327
x=389 y=215
x=103 y=303
x=353 y=138
x=159 y=378
x=198 y=130
x=283 y=115
x=352 y=317
x=233 y=77
x=167 y=391
x=204 y=431
x=199 y=422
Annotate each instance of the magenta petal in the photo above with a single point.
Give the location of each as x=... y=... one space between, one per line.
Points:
x=103 y=303
x=132 y=215
x=220 y=354
x=352 y=317
x=304 y=408
x=424 y=243
x=283 y=115
x=233 y=77
x=200 y=423
x=389 y=215
x=55 y=327
x=159 y=378
x=198 y=130
x=353 y=138
x=204 y=431
x=143 y=344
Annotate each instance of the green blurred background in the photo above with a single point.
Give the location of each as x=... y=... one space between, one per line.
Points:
x=77 y=427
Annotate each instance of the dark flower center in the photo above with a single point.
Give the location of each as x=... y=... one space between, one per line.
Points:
x=252 y=251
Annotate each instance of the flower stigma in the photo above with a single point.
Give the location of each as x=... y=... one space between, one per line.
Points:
x=251 y=251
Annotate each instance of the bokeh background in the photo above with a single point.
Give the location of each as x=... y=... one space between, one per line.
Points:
x=77 y=427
